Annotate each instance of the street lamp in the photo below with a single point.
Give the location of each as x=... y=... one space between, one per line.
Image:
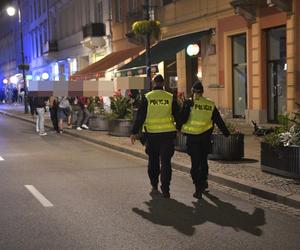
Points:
x=147 y=44
x=11 y=11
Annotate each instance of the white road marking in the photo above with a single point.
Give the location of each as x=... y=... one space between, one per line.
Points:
x=39 y=196
x=1 y=159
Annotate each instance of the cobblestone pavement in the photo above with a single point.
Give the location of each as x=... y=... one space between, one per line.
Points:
x=252 y=198
x=247 y=170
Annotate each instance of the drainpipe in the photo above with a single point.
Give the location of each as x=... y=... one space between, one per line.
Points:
x=147 y=45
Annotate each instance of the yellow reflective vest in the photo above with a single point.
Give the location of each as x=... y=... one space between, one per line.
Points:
x=200 y=119
x=159 y=117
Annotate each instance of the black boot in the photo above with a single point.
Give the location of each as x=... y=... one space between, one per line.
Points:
x=154 y=190
x=204 y=186
x=198 y=193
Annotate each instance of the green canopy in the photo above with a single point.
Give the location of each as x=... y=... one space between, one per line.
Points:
x=165 y=49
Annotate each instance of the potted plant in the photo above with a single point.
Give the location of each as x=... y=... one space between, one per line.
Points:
x=145 y=27
x=120 y=119
x=227 y=148
x=98 y=120
x=280 y=150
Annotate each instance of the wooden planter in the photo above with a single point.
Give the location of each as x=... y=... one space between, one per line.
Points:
x=281 y=160
x=180 y=144
x=119 y=127
x=98 y=123
x=227 y=148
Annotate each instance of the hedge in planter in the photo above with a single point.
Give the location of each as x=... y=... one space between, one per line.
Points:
x=98 y=120
x=227 y=148
x=280 y=150
x=120 y=120
x=282 y=160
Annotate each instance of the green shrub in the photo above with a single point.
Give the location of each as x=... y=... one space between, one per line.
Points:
x=121 y=107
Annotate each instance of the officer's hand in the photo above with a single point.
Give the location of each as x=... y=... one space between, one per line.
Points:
x=189 y=103
x=132 y=139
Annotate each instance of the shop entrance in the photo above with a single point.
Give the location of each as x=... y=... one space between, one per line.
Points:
x=239 y=75
x=276 y=75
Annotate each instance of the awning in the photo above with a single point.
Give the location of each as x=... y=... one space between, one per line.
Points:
x=98 y=68
x=165 y=49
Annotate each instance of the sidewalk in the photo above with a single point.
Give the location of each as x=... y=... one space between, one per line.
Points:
x=244 y=175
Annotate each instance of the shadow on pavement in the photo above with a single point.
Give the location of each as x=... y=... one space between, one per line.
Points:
x=169 y=212
x=245 y=160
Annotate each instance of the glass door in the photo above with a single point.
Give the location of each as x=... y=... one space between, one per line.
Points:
x=239 y=75
x=276 y=50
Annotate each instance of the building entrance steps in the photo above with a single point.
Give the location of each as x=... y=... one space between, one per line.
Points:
x=244 y=175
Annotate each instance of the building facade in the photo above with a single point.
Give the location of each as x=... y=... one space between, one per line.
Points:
x=60 y=37
x=247 y=49
x=248 y=63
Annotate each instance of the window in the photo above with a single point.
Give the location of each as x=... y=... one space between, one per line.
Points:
x=45 y=32
x=34 y=10
x=36 y=44
x=39 y=8
x=99 y=12
x=132 y=5
x=165 y=2
x=41 y=41
x=118 y=11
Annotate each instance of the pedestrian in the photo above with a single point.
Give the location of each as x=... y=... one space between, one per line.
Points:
x=64 y=112
x=156 y=117
x=76 y=112
x=83 y=120
x=15 y=95
x=198 y=116
x=31 y=105
x=40 y=106
x=53 y=108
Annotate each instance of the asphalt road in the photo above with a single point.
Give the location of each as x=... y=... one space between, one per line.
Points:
x=58 y=192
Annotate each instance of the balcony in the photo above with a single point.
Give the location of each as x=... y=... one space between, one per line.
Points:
x=49 y=47
x=93 y=30
x=248 y=8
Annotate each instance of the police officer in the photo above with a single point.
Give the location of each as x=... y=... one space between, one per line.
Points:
x=199 y=114
x=156 y=117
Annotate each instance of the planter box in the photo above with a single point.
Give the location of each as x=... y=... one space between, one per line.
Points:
x=180 y=143
x=119 y=127
x=283 y=161
x=227 y=148
x=98 y=123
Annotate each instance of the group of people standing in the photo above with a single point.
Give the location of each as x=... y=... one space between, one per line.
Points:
x=160 y=118
x=61 y=109
x=10 y=94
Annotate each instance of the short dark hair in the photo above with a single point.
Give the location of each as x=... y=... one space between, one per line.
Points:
x=158 y=79
x=197 y=87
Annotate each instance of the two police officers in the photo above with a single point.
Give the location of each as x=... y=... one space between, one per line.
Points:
x=198 y=116
x=156 y=117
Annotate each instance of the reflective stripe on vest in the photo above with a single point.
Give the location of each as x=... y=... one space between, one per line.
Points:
x=159 y=117
x=200 y=117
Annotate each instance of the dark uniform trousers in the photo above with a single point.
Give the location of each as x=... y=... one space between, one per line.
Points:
x=198 y=148
x=160 y=150
x=53 y=115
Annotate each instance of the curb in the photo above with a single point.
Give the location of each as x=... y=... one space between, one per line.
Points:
x=289 y=199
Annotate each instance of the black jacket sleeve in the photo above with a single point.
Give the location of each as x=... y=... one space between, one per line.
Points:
x=176 y=112
x=185 y=112
x=140 y=117
x=217 y=119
